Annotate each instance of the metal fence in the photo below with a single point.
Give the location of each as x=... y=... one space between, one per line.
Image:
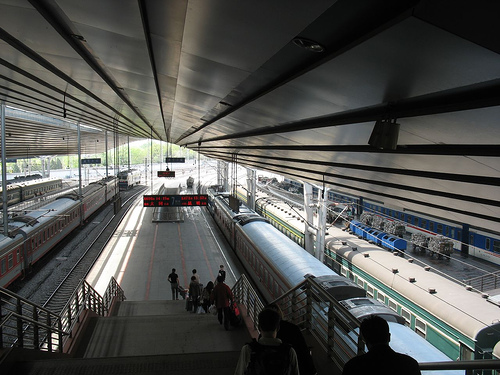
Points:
x=334 y=328
x=25 y=324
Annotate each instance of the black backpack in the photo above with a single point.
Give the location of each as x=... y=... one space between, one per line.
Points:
x=267 y=359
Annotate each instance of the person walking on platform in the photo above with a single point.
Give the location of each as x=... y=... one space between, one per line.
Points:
x=194 y=292
x=222 y=297
x=174 y=284
x=205 y=296
x=380 y=359
x=196 y=275
x=222 y=273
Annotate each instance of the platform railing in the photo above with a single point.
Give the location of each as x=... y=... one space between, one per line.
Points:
x=486 y=282
x=25 y=324
x=311 y=308
x=85 y=297
x=334 y=328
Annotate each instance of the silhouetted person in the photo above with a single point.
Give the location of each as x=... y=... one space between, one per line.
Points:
x=268 y=355
x=194 y=292
x=290 y=333
x=174 y=284
x=380 y=359
x=222 y=273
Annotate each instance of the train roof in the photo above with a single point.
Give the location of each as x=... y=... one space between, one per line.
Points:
x=290 y=260
x=45 y=213
x=294 y=217
x=467 y=311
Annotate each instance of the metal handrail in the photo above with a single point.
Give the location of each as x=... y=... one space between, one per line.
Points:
x=85 y=297
x=24 y=318
x=309 y=306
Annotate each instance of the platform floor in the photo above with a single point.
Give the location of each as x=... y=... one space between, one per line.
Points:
x=140 y=256
x=142 y=253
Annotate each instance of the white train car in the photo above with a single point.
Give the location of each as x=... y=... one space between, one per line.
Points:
x=276 y=264
x=458 y=320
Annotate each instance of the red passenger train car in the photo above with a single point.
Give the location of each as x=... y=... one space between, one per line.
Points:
x=32 y=236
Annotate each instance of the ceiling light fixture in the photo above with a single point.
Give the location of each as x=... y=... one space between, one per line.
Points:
x=385 y=135
x=308 y=44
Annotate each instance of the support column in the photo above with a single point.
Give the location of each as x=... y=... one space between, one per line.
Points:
x=80 y=172
x=223 y=175
x=251 y=188
x=106 y=151
x=309 y=231
x=4 y=173
x=320 y=235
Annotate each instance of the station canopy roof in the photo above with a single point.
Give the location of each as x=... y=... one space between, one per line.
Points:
x=393 y=100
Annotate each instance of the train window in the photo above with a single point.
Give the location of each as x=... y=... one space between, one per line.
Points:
x=408 y=219
x=431 y=226
x=452 y=232
x=447 y=231
x=381 y=297
x=420 y=327
x=369 y=290
x=487 y=244
x=3 y=268
x=393 y=305
x=496 y=246
x=471 y=240
x=276 y=289
x=423 y=223
x=415 y=221
x=361 y=283
x=439 y=228
x=407 y=315
x=17 y=255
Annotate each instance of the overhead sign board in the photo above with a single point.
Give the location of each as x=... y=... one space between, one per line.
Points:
x=175 y=160
x=166 y=173
x=91 y=161
x=175 y=200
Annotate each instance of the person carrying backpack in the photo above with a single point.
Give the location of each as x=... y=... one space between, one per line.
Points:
x=268 y=355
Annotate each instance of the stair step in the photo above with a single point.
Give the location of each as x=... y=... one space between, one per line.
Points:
x=220 y=363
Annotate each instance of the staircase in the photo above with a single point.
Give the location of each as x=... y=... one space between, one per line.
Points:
x=145 y=337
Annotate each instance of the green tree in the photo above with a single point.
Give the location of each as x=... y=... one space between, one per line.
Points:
x=15 y=168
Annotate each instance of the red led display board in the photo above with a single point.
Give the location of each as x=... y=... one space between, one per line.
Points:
x=175 y=200
x=166 y=173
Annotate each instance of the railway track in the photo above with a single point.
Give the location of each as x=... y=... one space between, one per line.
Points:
x=63 y=290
